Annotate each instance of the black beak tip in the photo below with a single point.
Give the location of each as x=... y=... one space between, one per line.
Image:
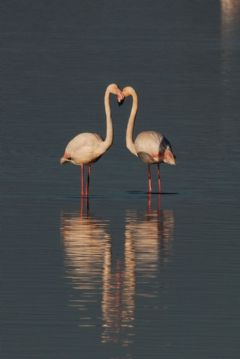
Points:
x=120 y=102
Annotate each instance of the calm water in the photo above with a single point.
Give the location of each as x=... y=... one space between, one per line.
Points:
x=124 y=275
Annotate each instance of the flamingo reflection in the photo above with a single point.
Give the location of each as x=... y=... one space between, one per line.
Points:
x=106 y=282
x=85 y=242
x=151 y=234
x=147 y=242
x=97 y=278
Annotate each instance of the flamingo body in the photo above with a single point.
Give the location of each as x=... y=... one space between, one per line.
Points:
x=84 y=149
x=151 y=146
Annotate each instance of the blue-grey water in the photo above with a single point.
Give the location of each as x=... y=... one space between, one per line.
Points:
x=123 y=275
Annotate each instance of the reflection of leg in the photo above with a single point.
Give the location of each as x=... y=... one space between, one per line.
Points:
x=149 y=180
x=87 y=204
x=159 y=181
x=158 y=205
x=81 y=206
x=84 y=204
x=149 y=203
x=82 y=180
x=88 y=180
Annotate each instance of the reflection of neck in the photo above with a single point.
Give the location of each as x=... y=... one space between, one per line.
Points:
x=118 y=304
x=130 y=127
x=109 y=128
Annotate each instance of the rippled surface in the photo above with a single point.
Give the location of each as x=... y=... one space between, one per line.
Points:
x=97 y=276
x=123 y=275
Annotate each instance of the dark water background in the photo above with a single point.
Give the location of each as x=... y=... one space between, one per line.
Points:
x=133 y=277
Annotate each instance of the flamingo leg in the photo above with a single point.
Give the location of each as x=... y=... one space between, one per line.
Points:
x=82 y=180
x=159 y=180
x=88 y=180
x=149 y=180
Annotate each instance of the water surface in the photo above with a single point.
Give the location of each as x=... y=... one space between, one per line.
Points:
x=123 y=275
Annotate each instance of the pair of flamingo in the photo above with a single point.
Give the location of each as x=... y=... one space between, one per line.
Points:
x=150 y=146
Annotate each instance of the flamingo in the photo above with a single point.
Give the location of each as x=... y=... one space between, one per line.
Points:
x=150 y=146
x=86 y=148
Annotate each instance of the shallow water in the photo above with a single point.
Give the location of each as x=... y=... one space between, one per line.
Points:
x=125 y=274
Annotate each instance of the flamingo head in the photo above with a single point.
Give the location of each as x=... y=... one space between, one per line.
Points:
x=120 y=97
x=115 y=90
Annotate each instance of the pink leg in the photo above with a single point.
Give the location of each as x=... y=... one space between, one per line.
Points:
x=82 y=180
x=88 y=180
x=159 y=181
x=149 y=180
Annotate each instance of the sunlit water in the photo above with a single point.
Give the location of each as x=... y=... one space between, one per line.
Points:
x=124 y=275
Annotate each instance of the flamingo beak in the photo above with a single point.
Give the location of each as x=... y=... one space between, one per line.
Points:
x=120 y=102
x=120 y=98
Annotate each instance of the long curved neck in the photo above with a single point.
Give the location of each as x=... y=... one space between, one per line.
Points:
x=130 y=127
x=109 y=127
